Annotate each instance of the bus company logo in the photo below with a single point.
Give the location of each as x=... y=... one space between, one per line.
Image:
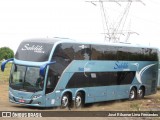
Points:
x=34 y=48
x=121 y=65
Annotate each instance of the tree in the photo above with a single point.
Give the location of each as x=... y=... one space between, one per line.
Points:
x=6 y=53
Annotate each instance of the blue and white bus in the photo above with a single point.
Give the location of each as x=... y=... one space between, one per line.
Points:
x=61 y=72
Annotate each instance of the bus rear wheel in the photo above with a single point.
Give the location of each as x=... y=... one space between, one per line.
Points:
x=132 y=94
x=65 y=101
x=141 y=93
x=79 y=100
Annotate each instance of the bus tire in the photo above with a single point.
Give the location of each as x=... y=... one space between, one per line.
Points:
x=133 y=94
x=141 y=93
x=65 y=100
x=79 y=100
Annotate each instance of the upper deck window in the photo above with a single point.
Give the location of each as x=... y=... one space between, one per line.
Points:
x=34 y=51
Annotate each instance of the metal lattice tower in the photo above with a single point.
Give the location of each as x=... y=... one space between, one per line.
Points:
x=114 y=33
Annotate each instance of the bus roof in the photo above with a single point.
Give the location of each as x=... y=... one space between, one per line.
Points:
x=67 y=40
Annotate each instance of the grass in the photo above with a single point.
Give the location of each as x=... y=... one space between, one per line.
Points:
x=4 y=76
x=135 y=106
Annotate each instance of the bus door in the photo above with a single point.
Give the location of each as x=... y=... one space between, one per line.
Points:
x=51 y=82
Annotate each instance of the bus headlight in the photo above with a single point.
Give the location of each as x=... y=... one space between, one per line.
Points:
x=36 y=96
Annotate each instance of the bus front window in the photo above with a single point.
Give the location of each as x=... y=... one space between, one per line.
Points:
x=26 y=78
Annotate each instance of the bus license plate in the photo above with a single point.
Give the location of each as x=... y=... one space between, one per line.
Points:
x=21 y=101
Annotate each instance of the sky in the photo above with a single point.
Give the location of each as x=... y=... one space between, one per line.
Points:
x=75 y=19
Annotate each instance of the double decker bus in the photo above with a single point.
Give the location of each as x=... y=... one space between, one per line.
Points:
x=62 y=72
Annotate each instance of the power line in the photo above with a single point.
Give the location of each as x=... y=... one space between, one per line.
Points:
x=114 y=34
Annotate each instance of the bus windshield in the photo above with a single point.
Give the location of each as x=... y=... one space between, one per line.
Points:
x=26 y=78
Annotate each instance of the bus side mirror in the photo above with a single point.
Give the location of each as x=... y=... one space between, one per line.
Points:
x=4 y=64
x=43 y=68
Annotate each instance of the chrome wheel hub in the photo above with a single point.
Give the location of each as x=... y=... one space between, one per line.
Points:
x=78 y=101
x=64 y=101
x=132 y=94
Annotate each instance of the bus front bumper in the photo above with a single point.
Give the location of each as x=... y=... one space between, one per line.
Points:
x=35 y=105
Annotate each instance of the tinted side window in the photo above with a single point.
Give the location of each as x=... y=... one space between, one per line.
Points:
x=110 y=53
x=64 y=51
x=104 y=79
x=124 y=78
x=152 y=54
x=100 y=79
x=104 y=52
x=133 y=54
x=142 y=54
x=78 y=80
x=122 y=53
x=98 y=52
x=82 y=52
x=68 y=50
x=61 y=57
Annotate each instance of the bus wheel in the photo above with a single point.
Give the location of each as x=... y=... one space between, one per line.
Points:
x=65 y=101
x=141 y=93
x=79 y=102
x=132 y=94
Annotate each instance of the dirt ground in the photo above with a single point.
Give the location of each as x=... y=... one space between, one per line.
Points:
x=149 y=103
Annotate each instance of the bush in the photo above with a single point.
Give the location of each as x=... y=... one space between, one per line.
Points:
x=6 y=53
